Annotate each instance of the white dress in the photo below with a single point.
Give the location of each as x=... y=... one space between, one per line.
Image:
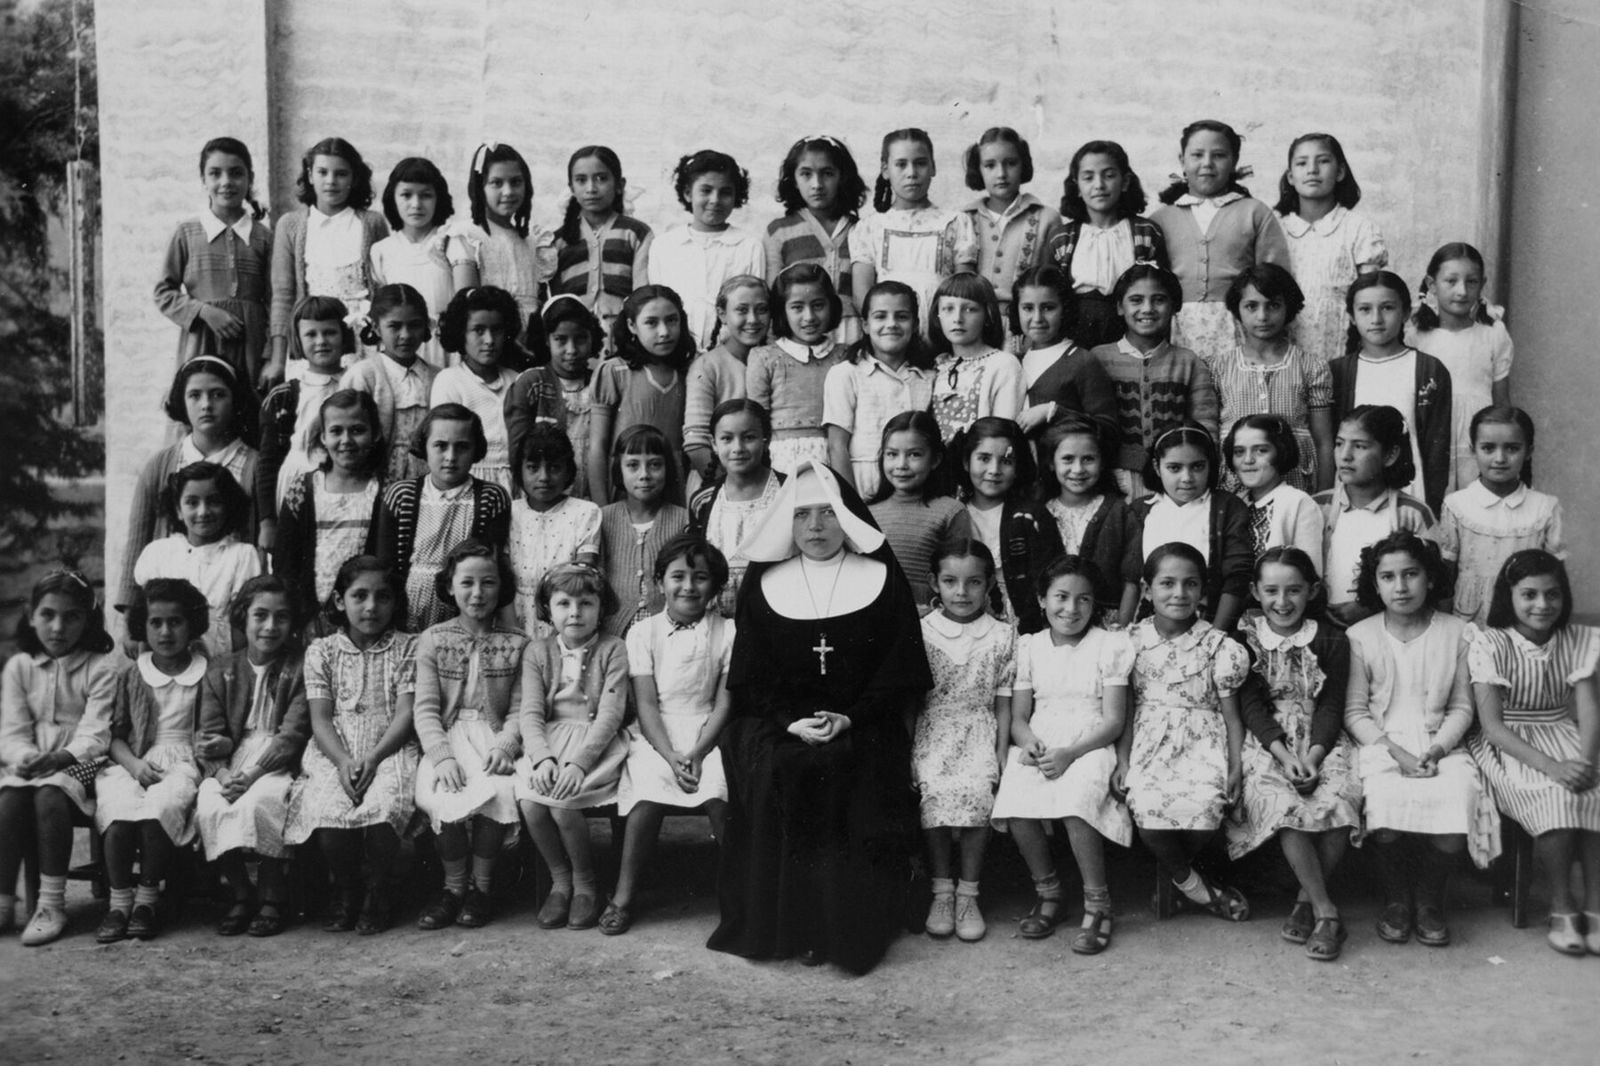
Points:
x=487 y=400
x=169 y=801
x=727 y=526
x=425 y=265
x=694 y=264
x=218 y=570
x=1477 y=357
x=918 y=246
x=1067 y=682
x=689 y=666
x=542 y=540
x=254 y=821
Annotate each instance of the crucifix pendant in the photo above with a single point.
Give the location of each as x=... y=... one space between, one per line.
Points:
x=822 y=648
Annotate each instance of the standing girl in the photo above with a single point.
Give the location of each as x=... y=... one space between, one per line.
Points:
x=218 y=410
x=1455 y=326
x=1094 y=521
x=214 y=279
x=1373 y=455
x=889 y=371
x=915 y=516
x=996 y=474
x=422 y=519
x=468 y=698
x=1380 y=368
x=1499 y=514
x=146 y=796
x=1060 y=377
x=694 y=260
x=476 y=328
x=1158 y=384
x=325 y=247
x=727 y=510
x=1013 y=228
x=557 y=392
x=510 y=252
x=678 y=660
x=907 y=238
x=1329 y=244
x=1102 y=236
x=1533 y=676
x=254 y=723
x=289 y=444
x=634 y=529
x=56 y=697
x=1179 y=759
x=787 y=376
x=973 y=378
x=359 y=776
x=400 y=380
x=822 y=191
x=1300 y=780
x=1409 y=708
x=961 y=735
x=1267 y=374
x=550 y=526
x=1214 y=229
x=421 y=251
x=1068 y=706
x=643 y=384
x=574 y=693
x=601 y=251
x=1257 y=449
x=331 y=513
x=209 y=509
x=1186 y=507
x=717 y=375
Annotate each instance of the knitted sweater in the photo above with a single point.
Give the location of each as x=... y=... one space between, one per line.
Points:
x=605 y=687
x=1156 y=392
x=397 y=518
x=289 y=261
x=444 y=653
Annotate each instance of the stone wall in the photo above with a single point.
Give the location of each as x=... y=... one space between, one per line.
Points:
x=1400 y=84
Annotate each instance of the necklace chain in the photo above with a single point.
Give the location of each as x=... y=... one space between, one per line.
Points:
x=812 y=596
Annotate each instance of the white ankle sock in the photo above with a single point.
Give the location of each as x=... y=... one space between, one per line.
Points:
x=53 y=891
x=122 y=900
x=483 y=873
x=1193 y=886
x=146 y=895
x=967 y=888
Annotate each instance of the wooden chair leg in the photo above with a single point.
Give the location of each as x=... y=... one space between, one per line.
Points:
x=1166 y=897
x=1521 y=877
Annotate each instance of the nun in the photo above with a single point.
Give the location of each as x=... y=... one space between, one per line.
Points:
x=826 y=670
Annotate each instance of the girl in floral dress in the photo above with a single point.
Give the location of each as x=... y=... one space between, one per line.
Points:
x=1299 y=771
x=1179 y=760
x=963 y=731
x=356 y=794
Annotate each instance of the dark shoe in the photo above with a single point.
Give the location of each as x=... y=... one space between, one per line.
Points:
x=441 y=912
x=268 y=921
x=1326 y=940
x=1394 y=924
x=1431 y=929
x=1039 y=923
x=553 y=915
x=236 y=921
x=342 y=916
x=1297 y=927
x=142 y=925
x=1095 y=936
x=618 y=920
x=114 y=927
x=585 y=912
x=375 y=913
x=477 y=909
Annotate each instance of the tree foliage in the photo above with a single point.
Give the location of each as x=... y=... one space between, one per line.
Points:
x=39 y=136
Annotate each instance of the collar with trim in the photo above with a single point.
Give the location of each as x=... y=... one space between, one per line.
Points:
x=950 y=629
x=157 y=679
x=214 y=227
x=803 y=353
x=1479 y=494
x=1126 y=348
x=1189 y=199
x=1326 y=226
x=1271 y=640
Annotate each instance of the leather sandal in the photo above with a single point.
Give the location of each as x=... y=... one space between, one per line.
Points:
x=1326 y=940
x=1095 y=935
x=237 y=920
x=1038 y=925
x=1225 y=901
x=269 y=920
x=1297 y=927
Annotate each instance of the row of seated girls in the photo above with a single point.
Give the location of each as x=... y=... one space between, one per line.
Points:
x=1216 y=450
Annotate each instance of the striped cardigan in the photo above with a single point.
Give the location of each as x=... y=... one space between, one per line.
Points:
x=397 y=518
x=294 y=552
x=624 y=244
x=1149 y=244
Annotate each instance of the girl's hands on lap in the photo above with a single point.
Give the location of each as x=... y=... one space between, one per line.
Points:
x=543 y=777
x=448 y=776
x=1054 y=762
x=41 y=765
x=213 y=747
x=498 y=763
x=1572 y=774
x=1428 y=765
x=275 y=758
x=567 y=782
x=686 y=771
x=146 y=775
x=235 y=785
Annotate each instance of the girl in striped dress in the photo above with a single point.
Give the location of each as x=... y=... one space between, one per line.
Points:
x=1533 y=674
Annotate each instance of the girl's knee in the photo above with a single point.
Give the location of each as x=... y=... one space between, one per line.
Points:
x=1385 y=836
x=535 y=814
x=1449 y=843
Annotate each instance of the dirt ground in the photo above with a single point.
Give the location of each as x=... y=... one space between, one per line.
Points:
x=1192 y=989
